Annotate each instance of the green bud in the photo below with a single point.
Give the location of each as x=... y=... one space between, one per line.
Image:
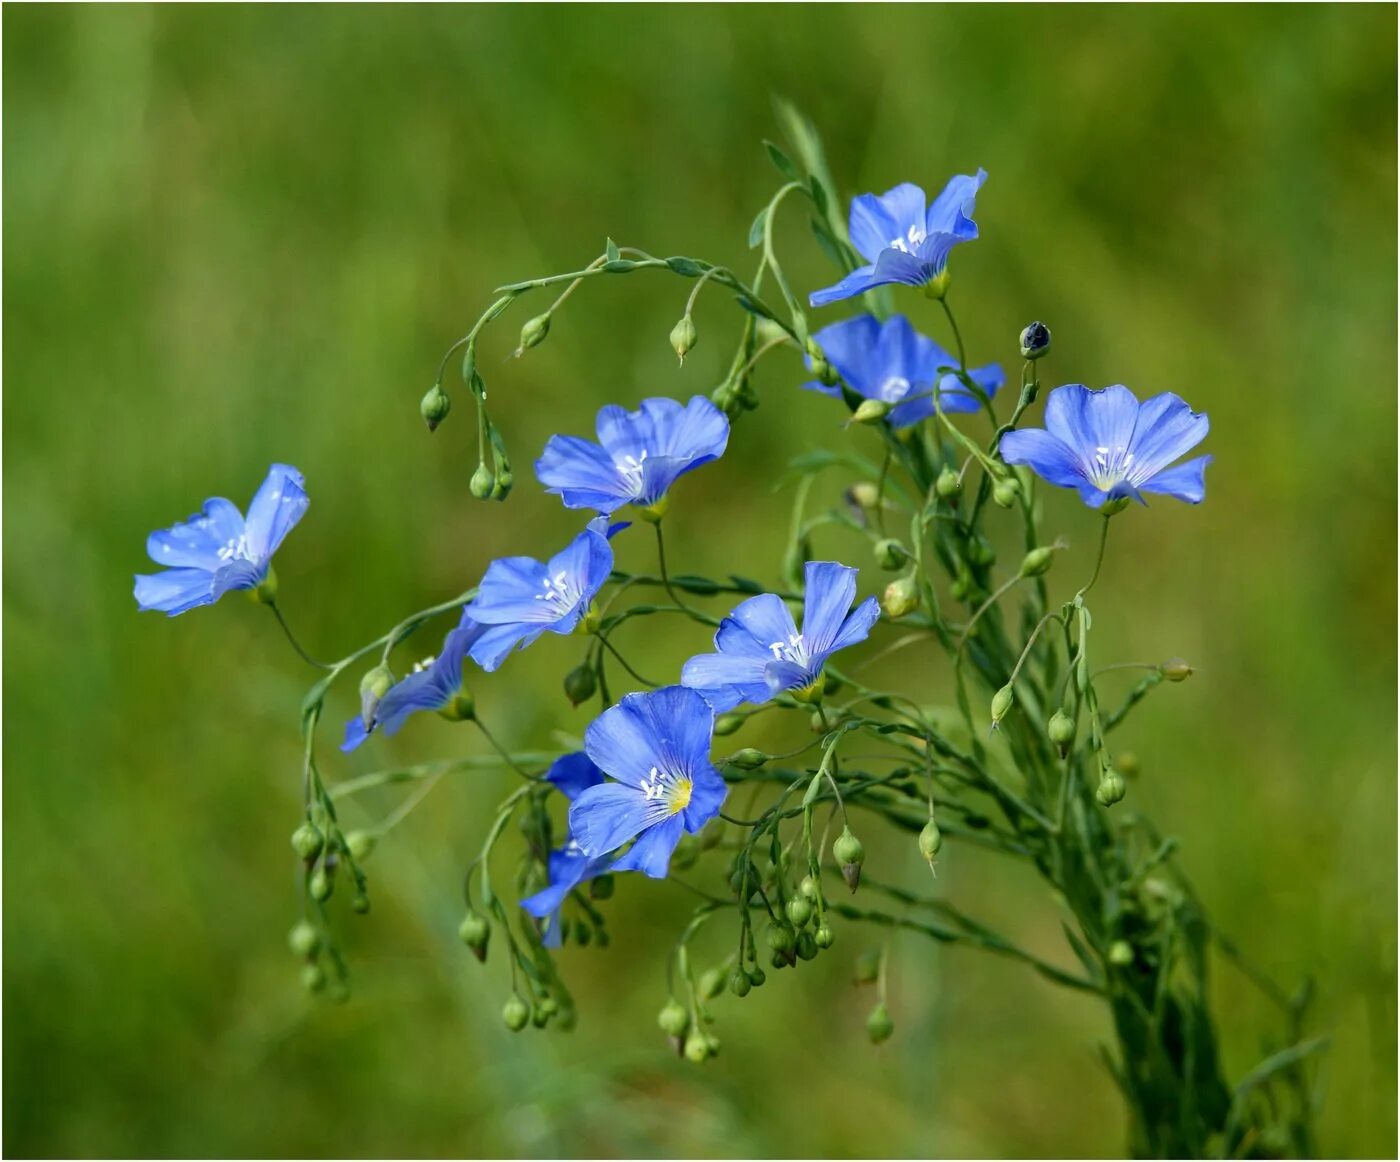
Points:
x=505 y=481
x=799 y=911
x=824 y=936
x=601 y=887
x=434 y=407
x=930 y=840
x=515 y=1013
x=303 y=939
x=1176 y=669
x=360 y=903
x=673 y=1019
x=683 y=337
x=781 y=938
x=373 y=686
x=739 y=983
x=1120 y=954
x=901 y=597
x=781 y=959
x=361 y=844
x=313 y=978
x=307 y=841
x=697 y=1046
x=321 y=885
x=810 y=889
x=871 y=411
x=864 y=495
x=948 y=486
x=890 y=554
x=1060 y=728
x=728 y=723
x=710 y=984
x=850 y=854
x=757 y=976
x=748 y=759
x=806 y=945
x=878 y=1025
x=980 y=551
x=1035 y=341
x=1128 y=765
x=1004 y=491
x=867 y=967
x=483 y=481
x=549 y=1006
x=533 y=332
x=475 y=932
x=1001 y=703
x=1111 y=789
x=1037 y=561
x=580 y=684
x=961 y=586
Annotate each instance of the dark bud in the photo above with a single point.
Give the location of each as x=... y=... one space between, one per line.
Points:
x=890 y=554
x=781 y=938
x=806 y=945
x=850 y=854
x=583 y=934
x=601 y=887
x=1035 y=341
x=980 y=551
x=580 y=684
x=434 y=407
x=360 y=903
x=515 y=1013
x=757 y=976
x=739 y=983
x=878 y=1025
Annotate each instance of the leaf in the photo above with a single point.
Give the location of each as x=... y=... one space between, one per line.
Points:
x=781 y=162
x=619 y=265
x=756 y=230
x=612 y=251
x=819 y=195
x=687 y=267
x=829 y=246
x=753 y=307
x=746 y=584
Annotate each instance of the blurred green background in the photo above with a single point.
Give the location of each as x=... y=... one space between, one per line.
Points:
x=237 y=235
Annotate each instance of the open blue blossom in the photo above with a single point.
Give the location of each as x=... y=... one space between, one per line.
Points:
x=217 y=550
x=520 y=598
x=761 y=653
x=434 y=684
x=1110 y=447
x=891 y=362
x=569 y=867
x=903 y=239
x=639 y=455
x=657 y=746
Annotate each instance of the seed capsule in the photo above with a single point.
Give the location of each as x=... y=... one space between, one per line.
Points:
x=1001 y=703
x=1111 y=789
x=434 y=407
x=890 y=554
x=515 y=1013
x=930 y=840
x=878 y=1025
x=1060 y=728
x=683 y=337
x=948 y=486
x=850 y=854
x=1176 y=669
x=673 y=1019
x=1004 y=491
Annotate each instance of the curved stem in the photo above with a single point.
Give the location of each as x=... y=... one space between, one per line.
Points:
x=296 y=645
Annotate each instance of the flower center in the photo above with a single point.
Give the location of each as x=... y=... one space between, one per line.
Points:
x=235 y=550
x=792 y=650
x=894 y=389
x=1112 y=465
x=419 y=667
x=910 y=242
x=665 y=787
x=559 y=593
x=630 y=469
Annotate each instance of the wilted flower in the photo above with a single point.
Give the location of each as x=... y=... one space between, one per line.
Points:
x=217 y=550
x=761 y=653
x=891 y=362
x=1110 y=447
x=639 y=455
x=657 y=746
x=904 y=240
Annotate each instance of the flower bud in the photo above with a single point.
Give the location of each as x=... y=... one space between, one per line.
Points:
x=961 y=588
x=313 y=978
x=697 y=1046
x=864 y=494
x=580 y=684
x=980 y=551
x=321 y=885
x=1001 y=703
x=1038 y=561
x=747 y=759
x=890 y=554
x=757 y=976
x=781 y=938
x=824 y=937
x=825 y=373
x=1060 y=728
x=307 y=841
x=948 y=486
x=361 y=844
x=930 y=840
x=878 y=1025
x=806 y=945
x=1035 y=341
x=515 y=1013
x=1111 y=788
x=711 y=983
x=809 y=889
x=1176 y=669
x=728 y=723
x=871 y=411
x=434 y=407
x=360 y=904
x=1004 y=491
x=303 y=939
x=1120 y=954
x=483 y=481
x=850 y=854
x=533 y=332
x=867 y=968
x=799 y=911
x=683 y=337
x=505 y=481
x=373 y=686
x=901 y=597
x=475 y=932
x=739 y=982
x=673 y=1019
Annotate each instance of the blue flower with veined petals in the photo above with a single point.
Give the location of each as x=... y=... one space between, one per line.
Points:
x=569 y=867
x=639 y=455
x=1110 y=447
x=761 y=653
x=520 y=598
x=217 y=549
x=903 y=239
x=657 y=746
x=892 y=362
x=433 y=685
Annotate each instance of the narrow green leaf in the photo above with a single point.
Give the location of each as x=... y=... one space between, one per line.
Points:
x=781 y=162
x=756 y=230
x=687 y=267
x=612 y=251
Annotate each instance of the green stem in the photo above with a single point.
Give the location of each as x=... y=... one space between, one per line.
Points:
x=296 y=645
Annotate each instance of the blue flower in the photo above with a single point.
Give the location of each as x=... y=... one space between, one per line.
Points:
x=760 y=651
x=569 y=867
x=1110 y=447
x=520 y=598
x=891 y=362
x=901 y=240
x=657 y=746
x=217 y=550
x=435 y=684
x=639 y=455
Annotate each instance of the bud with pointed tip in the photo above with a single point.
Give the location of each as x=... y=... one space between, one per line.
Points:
x=434 y=407
x=728 y=723
x=1038 y=561
x=482 y=482
x=871 y=411
x=373 y=686
x=683 y=337
x=748 y=759
x=1176 y=669
x=930 y=841
x=850 y=854
x=1004 y=491
x=580 y=684
x=1001 y=703
x=1111 y=788
x=901 y=597
x=533 y=332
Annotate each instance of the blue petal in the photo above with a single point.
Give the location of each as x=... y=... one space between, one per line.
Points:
x=898 y=266
x=1090 y=420
x=568 y=868
x=951 y=212
x=279 y=504
x=1185 y=482
x=860 y=280
x=651 y=854
x=586 y=562
x=875 y=222
x=856 y=627
x=355 y=734
x=573 y=774
x=497 y=641
x=767 y=620
x=707 y=794
x=698 y=432
x=195 y=543
x=510 y=592
x=174 y=591
x=1166 y=430
x=848 y=346
x=237 y=574
x=582 y=474
x=603 y=818
x=783 y=675
x=726 y=680
x=1047 y=455
x=829 y=590
x=669 y=729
